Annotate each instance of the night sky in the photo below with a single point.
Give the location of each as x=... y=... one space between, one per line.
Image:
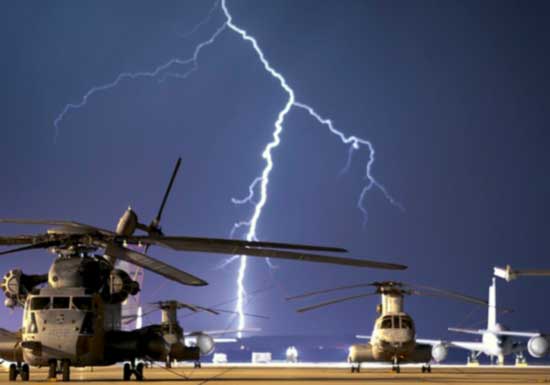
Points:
x=453 y=95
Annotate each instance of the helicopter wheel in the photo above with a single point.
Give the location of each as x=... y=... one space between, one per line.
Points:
x=139 y=372
x=52 y=369
x=25 y=372
x=198 y=365
x=66 y=370
x=126 y=372
x=12 y=372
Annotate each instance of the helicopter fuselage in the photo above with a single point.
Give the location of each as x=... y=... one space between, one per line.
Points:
x=392 y=340
x=65 y=324
x=393 y=336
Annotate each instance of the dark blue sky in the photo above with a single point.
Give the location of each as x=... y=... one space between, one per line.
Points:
x=452 y=94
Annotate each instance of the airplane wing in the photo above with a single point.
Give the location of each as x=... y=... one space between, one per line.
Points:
x=222 y=332
x=468 y=331
x=424 y=341
x=467 y=345
x=363 y=337
x=192 y=340
x=191 y=337
x=510 y=333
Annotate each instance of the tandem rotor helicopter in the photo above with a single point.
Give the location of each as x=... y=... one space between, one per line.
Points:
x=393 y=337
x=72 y=314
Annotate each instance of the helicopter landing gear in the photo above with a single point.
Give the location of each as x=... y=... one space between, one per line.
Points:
x=520 y=359
x=472 y=360
x=25 y=372
x=426 y=368
x=131 y=368
x=64 y=369
x=52 y=369
x=22 y=370
x=198 y=365
x=356 y=369
x=395 y=366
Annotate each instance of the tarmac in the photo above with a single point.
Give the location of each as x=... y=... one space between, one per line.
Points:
x=306 y=374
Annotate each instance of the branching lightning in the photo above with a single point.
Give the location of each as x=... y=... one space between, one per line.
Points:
x=258 y=189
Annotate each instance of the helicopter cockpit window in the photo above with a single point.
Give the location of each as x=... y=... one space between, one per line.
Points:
x=82 y=303
x=32 y=328
x=40 y=303
x=386 y=323
x=406 y=323
x=61 y=302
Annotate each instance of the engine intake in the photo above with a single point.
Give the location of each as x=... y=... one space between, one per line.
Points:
x=439 y=352
x=120 y=286
x=204 y=342
x=17 y=285
x=538 y=346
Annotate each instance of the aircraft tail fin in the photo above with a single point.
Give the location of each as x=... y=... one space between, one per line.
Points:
x=492 y=309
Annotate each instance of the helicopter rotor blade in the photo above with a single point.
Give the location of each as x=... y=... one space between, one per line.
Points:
x=222 y=246
x=18 y=240
x=152 y=264
x=324 y=291
x=334 y=301
x=249 y=294
x=40 y=245
x=197 y=308
x=450 y=294
x=244 y=314
x=56 y=222
x=182 y=243
x=156 y=221
x=436 y=292
x=182 y=305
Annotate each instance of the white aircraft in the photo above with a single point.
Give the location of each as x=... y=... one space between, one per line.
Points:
x=496 y=341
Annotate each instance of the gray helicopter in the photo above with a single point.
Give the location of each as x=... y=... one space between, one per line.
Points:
x=72 y=314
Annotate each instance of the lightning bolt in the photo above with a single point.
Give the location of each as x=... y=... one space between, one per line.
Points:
x=258 y=189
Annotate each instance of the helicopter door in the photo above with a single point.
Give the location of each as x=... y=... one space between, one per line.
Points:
x=85 y=304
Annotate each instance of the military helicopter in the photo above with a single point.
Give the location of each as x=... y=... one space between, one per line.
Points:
x=174 y=333
x=72 y=314
x=394 y=335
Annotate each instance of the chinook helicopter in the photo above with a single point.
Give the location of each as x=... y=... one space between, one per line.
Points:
x=174 y=333
x=72 y=314
x=394 y=335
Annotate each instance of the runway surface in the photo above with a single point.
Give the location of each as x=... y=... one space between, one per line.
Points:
x=229 y=375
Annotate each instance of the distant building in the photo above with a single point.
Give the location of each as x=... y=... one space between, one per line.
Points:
x=219 y=358
x=261 y=357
